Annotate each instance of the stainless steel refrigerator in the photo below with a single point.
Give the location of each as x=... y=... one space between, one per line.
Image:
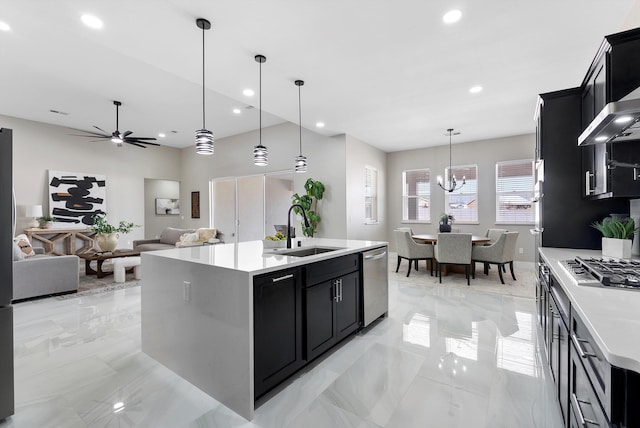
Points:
x=7 y=229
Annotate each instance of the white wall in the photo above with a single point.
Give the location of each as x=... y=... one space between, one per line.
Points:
x=233 y=157
x=38 y=147
x=484 y=154
x=154 y=223
x=359 y=155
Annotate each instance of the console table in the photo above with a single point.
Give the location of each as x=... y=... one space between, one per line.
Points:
x=66 y=237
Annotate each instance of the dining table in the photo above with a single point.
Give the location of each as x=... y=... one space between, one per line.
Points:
x=432 y=239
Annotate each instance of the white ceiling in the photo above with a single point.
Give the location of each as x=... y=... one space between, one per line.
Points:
x=389 y=73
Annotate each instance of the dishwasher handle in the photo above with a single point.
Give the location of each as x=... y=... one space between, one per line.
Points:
x=377 y=256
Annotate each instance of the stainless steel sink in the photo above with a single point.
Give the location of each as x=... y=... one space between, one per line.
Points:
x=308 y=251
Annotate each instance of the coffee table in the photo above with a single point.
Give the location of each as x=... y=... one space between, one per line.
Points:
x=100 y=257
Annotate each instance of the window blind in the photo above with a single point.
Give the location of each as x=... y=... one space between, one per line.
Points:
x=514 y=191
x=463 y=203
x=370 y=194
x=416 y=195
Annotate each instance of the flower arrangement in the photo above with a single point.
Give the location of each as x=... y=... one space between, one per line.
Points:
x=100 y=225
x=446 y=218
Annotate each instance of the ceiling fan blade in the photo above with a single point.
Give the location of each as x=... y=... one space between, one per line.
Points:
x=135 y=140
x=100 y=129
x=135 y=144
x=145 y=138
x=91 y=135
x=126 y=133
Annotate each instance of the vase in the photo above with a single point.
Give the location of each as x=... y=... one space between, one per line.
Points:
x=46 y=224
x=616 y=248
x=107 y=242
x=445 y=227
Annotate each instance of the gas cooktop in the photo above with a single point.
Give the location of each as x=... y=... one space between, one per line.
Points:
x=603 y=272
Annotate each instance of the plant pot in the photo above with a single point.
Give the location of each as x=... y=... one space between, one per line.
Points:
x=616 y=248
x=46 y=224
x=107 y=241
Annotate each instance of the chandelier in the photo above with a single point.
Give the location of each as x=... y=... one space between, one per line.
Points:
x=452 y=184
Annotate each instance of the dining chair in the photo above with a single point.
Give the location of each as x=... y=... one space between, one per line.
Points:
x=453 y=249
x=494 y=234
x=500 y=253
x=409 y=249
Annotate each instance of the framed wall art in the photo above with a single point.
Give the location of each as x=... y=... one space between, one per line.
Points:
x=167 y=206
x=75 y=197
x=195 y=204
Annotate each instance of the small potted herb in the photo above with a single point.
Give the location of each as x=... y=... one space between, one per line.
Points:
x=617 y=236
x=46 y=221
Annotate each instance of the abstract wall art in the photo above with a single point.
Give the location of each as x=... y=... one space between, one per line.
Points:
x=75 y=197
x=167 y=206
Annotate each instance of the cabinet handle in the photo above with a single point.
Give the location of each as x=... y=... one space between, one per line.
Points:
x=334 y=290
x=581 y=419
x=282 y=278
x=578 y=344
x=375 y=256
x=588 y=176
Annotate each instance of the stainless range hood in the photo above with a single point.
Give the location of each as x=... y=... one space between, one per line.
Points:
x=618 y=121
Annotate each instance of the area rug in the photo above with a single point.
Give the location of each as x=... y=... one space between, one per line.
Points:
x=523 y=286
x=91 y=284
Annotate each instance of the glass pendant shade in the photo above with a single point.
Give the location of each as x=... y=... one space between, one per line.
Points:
x=260 y=155
x=301 y=164
x=204 y=142
x=452 y=183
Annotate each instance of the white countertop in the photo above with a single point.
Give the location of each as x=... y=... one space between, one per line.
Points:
x=253 y=258
x=611 y=315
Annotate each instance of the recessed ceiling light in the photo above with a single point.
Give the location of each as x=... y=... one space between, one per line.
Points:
x=91 y=21
x=452 y=16
x=162 y=135
x=475 y=89
x=602 y=138
x=4 y=26
x=237 y=111
x=320 y=124
x=623 y=119
x=248 y=92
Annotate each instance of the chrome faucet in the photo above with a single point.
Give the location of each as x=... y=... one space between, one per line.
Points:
x=306 y=222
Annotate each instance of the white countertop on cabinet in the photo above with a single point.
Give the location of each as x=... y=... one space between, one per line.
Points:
x=612 y=315
x=253 y=258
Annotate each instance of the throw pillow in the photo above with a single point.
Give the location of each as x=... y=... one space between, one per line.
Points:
x=17 y=253
x=25 y=246
x=205 y=234
x=189 y=237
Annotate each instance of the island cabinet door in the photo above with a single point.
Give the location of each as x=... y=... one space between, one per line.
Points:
x=277 y=328
x=347 y=305
x=320 y=318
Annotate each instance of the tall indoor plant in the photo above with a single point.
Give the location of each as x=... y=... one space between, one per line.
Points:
x=107 y=234
x=314 y=192
x=617 y=235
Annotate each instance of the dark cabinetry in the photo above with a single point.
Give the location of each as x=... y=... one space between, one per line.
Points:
x=277 y=328
x=614 y=72
x=332 y=303
x=558 y=125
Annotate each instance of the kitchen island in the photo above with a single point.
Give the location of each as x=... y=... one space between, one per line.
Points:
x=236 y=319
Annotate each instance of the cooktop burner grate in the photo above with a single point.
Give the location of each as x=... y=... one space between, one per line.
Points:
x=603 y=272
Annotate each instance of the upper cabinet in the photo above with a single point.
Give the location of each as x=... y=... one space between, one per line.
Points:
x=607 y=171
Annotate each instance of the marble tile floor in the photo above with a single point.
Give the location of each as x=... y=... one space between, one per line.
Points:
x=444 y=357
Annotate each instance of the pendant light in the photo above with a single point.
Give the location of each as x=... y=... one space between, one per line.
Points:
x=204 y=137
x=260 y=153
x=452 y=184
x=301 y=161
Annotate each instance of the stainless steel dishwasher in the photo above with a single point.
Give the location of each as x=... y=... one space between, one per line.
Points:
x=375 y=284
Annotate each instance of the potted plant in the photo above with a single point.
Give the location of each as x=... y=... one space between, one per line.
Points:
x=46 y=221
x=315 y=192
x=617 y=236
x=446 y=220
x=107 y=234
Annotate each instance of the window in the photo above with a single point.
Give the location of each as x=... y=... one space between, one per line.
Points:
x=370 y=195
x=514 y=192
x=416 y=195
x=462 y=204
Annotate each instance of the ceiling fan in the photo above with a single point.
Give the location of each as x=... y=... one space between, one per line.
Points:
x=118 y=137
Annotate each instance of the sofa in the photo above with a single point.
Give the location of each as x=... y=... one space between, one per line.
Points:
x=42 y=275
x=175 y=238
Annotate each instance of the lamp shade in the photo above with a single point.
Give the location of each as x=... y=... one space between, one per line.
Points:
x=33 y=211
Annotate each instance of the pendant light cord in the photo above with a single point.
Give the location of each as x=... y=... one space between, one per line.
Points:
x=203 y=88
x=450 y=172
x=260 y=101
x=300 y=118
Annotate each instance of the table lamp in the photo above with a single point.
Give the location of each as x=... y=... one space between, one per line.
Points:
x=34 y=211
